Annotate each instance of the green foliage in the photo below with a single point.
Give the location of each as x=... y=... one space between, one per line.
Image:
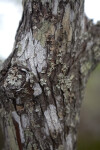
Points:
x=90 y=115
x=89 y=144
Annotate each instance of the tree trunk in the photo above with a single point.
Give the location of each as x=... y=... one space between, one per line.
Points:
x=42 y=82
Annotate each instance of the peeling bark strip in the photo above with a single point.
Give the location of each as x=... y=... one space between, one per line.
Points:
x=42 y=82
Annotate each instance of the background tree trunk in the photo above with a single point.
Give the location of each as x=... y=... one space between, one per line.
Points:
x=42 y=82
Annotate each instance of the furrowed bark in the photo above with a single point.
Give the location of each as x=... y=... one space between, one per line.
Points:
x=42 y=82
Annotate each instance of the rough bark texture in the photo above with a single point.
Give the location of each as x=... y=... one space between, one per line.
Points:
x=42 y=82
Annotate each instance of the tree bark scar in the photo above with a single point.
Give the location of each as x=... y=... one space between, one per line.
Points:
x=18 y=134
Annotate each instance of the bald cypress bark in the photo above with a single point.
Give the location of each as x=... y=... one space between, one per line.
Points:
x=42 y=82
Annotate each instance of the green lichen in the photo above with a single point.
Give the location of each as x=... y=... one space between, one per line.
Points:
x=65 y=83
x=52 y=67
x=13 y=78
x=28 y=135
x=85 y=67
x=64 y=68
x=35 y=147
x=97 y=52
x=48 y=92
x=43 y=81
x=40 y=34
x=61 y=147
x=65 y=80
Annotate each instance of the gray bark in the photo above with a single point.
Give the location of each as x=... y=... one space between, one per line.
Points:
x=42 y=82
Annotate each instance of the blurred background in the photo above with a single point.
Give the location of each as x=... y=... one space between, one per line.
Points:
x=89 y=129
x=10 y=14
